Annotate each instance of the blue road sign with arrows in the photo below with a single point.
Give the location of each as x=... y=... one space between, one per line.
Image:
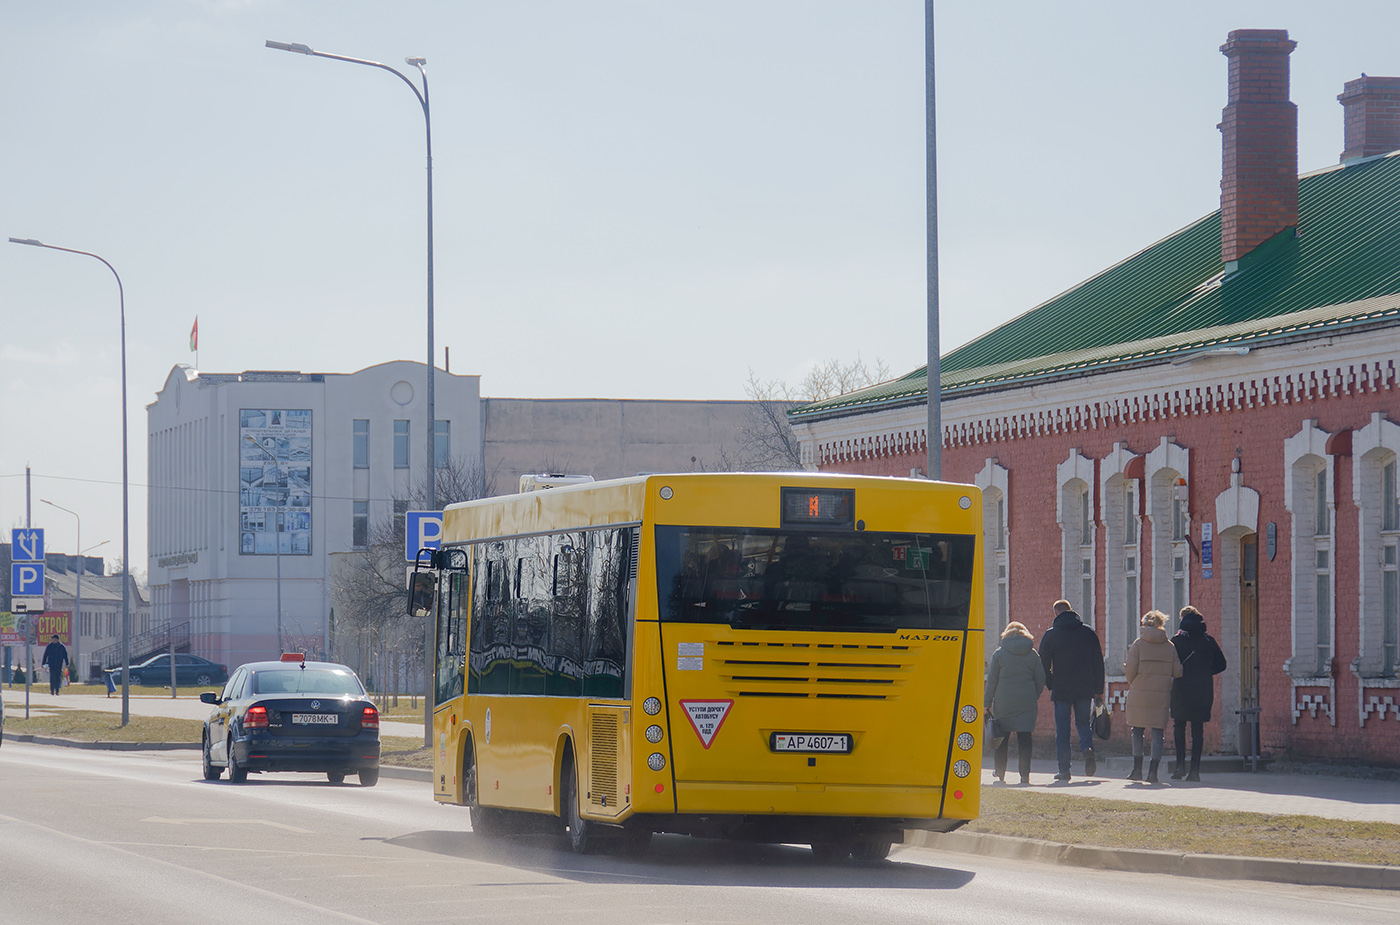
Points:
x=26 y=545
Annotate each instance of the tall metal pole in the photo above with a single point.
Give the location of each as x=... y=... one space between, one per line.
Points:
x=430 y=481
x=935 y=372
x=126 y=482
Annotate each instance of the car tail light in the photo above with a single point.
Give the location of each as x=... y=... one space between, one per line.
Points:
x=369 y=719
x=255 y=718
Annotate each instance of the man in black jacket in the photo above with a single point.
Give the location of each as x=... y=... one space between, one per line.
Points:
x=1073 y=660
x=55 y=656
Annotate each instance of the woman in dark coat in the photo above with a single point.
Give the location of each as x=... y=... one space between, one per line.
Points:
x=1193 y=694
x=1015 y=679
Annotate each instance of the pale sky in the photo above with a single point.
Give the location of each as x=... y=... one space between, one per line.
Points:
x=640 y=199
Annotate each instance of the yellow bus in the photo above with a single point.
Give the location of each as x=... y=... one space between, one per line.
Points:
x=790 y=657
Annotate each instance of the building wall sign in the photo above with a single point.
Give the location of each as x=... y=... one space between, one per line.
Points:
x=274 y=482
x=184 y=558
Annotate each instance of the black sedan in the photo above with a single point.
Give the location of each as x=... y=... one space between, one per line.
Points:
x=292 y=715
x=190 y=671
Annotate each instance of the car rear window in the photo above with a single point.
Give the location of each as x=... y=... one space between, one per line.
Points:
x=307 y=681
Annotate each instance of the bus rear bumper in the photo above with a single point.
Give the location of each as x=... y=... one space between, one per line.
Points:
x=753 y=798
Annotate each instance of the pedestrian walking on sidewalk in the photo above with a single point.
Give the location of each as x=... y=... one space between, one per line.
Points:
x=1015 y=679
x=55 y=656
x=1073 y=661
x=1193 y=694
x=1150 y=669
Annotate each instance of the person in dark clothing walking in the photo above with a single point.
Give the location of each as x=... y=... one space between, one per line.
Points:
x=1015 y=679
x=1073 y=660
x=55 y=656
x=1193 y=694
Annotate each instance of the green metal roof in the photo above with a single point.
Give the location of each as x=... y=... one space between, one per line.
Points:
x=1173 y=297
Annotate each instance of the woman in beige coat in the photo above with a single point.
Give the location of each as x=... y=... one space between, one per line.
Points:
x=1152 y=664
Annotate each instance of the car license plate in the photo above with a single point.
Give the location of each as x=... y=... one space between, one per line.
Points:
x=315 y=719
x=823 y=742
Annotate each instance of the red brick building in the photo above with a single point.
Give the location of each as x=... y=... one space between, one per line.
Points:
x=1215 y=420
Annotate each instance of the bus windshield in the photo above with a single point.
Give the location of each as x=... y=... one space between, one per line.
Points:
x=813 y=579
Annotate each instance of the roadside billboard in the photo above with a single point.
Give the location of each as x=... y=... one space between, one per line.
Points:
x=49 y=624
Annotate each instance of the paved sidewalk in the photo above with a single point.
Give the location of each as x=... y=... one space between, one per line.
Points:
x=186 y=706
x=1323 y=795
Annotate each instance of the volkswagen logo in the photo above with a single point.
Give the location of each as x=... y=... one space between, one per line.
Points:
x=315 y=704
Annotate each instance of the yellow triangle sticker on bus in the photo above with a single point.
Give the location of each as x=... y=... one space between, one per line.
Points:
x=706 y=716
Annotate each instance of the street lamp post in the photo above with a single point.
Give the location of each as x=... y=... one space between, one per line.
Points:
x=430 y=482
x=277 y=537
x=126 y=505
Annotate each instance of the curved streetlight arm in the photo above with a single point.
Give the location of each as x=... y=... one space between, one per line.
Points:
x=126 y=481
x=301 y=49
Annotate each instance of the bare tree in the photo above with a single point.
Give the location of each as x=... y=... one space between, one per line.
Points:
x=766 y=440
x=369 y=587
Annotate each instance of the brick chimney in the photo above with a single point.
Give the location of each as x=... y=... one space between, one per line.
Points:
x=1259 y=184
x=1371 y=107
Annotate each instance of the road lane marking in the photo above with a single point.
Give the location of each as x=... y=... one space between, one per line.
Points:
x=278 y=825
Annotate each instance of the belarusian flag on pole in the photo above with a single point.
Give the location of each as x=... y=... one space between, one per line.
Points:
x=194 y=335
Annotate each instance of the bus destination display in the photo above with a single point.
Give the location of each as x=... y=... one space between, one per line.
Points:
x=818 y=507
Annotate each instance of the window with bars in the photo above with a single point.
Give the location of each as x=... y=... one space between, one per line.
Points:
x=1130 y=595
x=1322 y=609
x=1390 y=576
x=1130 y=515
x=1390 y=609
x=1086 y=585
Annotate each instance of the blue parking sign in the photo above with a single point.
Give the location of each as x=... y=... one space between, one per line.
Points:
x=27 y=579
x=422 y=530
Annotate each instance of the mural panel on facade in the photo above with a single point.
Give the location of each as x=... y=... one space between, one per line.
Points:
x=274 y=481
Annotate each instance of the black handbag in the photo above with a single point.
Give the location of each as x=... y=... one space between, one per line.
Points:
x=994 y=729
x=1102 y=722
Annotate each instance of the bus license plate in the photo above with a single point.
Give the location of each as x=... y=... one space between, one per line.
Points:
x=822 y=742
x=315 y=719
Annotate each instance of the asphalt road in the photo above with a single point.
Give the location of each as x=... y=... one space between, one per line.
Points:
x=89 y=836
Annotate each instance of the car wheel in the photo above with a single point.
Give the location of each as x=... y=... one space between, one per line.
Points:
x=133 y=679
x=369 y=777
x=580 y=831
x=203 y=679
x=210 y=771
x=335 y=777
x=236 y=775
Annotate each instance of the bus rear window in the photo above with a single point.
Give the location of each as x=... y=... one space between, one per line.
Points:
x=814 y=579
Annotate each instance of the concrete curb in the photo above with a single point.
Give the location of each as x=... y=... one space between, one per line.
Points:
x=104 y=746
x=1136 y=860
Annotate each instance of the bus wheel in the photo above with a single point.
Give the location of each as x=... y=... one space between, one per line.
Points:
x=871 y=850
x=484 y=821
x=580 y=832
x=831 y=852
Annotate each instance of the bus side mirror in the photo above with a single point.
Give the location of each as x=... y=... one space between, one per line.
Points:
x=422 y=594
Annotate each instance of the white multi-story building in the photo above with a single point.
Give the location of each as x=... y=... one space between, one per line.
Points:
x=258 y=473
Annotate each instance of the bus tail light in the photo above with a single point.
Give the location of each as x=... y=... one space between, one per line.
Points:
x=255 y=718
x=370 y=719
